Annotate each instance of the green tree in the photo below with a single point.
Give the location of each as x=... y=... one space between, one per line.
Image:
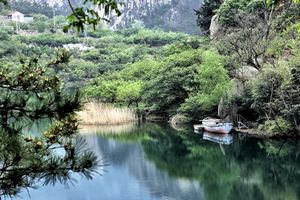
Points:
x=104 y=90
x=172 y=82
x=129 y=92
x=41 y=22
x=266 y=92
x=248 y=41
x=213 y=83
x=141 y=70
x=205 y=14
x=230 y=9
x=291 y=99
x=31 y=93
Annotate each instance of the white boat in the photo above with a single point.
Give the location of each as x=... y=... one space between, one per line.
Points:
x=208 y=121
x=214 y=125
x=221 y=127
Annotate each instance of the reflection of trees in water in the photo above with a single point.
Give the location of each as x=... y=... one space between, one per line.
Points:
x=30 y=93
x=131 y=156
x=250 y=168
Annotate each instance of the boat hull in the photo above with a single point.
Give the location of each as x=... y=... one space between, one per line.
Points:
x=222 y=128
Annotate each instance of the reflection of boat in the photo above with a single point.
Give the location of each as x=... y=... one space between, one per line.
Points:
x=221 y=139
x=214 y=125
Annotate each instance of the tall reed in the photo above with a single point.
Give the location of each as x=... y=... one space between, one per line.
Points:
x=105 y=114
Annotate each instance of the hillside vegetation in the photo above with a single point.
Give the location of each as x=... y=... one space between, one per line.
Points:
x=251 y=67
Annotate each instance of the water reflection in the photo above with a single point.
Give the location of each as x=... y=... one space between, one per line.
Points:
x=246 y=169
x=108 y=129
x=218 y=138
x=137 y=177
x=156 y=162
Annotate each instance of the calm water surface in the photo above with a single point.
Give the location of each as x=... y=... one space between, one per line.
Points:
x=157 y=162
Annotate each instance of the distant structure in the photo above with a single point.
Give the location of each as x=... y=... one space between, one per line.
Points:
x=16 y=16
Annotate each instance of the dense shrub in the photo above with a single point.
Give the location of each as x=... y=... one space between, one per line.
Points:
x=213 y=83
x=276 y=126
x=231 y=8
x=50 y=39
x=205 y=14
x=155 y=37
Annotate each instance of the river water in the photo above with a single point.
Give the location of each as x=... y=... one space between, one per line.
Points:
x=157 y=162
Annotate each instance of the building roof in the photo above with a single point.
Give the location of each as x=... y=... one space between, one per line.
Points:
x=14 y=13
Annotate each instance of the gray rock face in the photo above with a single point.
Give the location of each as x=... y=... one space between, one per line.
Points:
x=214 y=27
x=247 y=72
x=243 y=74
x=170 y=15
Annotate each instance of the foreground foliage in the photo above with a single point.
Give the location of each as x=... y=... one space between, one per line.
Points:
x=31 y=93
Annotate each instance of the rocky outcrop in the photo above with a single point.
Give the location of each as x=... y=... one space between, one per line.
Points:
x=214 y=27
x=173 y=15
x=246 y=73
x=243 y=74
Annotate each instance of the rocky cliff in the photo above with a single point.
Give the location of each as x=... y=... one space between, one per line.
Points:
x=174 y=15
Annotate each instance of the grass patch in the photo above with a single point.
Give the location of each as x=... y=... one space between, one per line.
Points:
x=105 y=114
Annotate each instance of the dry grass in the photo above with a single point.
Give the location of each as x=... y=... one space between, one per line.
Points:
x=105 y=114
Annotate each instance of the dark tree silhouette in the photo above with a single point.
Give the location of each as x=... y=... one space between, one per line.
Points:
x=30 y=93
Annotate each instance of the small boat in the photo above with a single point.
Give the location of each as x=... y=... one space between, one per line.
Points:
x=208 y=121
x=213 y=125
x=221 y=127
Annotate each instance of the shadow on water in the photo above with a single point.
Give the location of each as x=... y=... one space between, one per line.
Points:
x=247 y=169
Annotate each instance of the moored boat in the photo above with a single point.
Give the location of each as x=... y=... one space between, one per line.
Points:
x=222 y=127
x=208 y=121
x=214 y=125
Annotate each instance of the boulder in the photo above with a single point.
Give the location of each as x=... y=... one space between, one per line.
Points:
x=214 y=27
x=247 y=73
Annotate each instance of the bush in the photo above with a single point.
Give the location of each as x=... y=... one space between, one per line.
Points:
x=213 y=82
x=50 y=39
x=275 y=127
x=231 y=8
x=205 y=14
x=156 y=37
x=179 y=119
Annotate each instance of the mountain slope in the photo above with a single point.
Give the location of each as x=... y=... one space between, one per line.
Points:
x=174 y=15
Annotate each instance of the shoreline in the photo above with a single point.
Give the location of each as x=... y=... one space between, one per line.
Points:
x=254 y=133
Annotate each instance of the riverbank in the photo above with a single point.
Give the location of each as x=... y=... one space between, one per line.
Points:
x=259 y=134
x=105 y=114
x=253 y=132
x=101 y=114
